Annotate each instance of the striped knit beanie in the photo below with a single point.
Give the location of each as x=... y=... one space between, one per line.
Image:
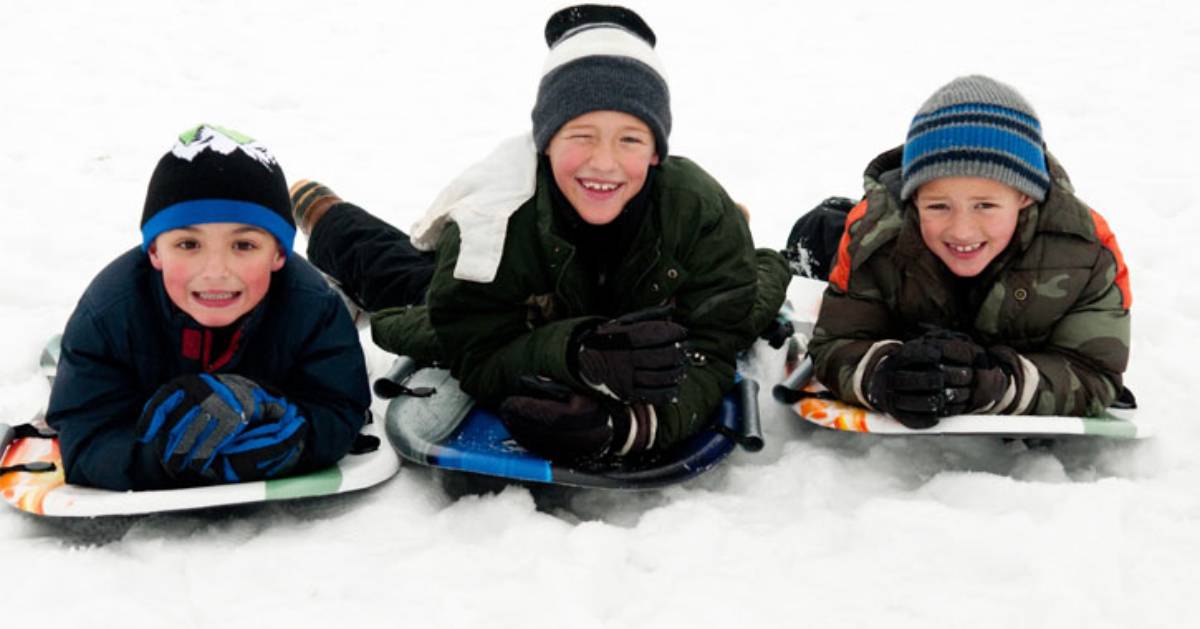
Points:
x=976 y=127
x=216 y=175
x=601 y=58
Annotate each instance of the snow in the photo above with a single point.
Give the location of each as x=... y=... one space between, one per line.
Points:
x=784 y=103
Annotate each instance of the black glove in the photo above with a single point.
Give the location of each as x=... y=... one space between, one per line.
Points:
x=975 y=381
x=907 y=383
x=270 y=447
x=557 y=423
x=222 y=428
x=936 y=375
x=638 y=357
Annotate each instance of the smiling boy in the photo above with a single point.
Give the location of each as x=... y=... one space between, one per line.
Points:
x=971 y=279
x=589 y=285
x=208 y=354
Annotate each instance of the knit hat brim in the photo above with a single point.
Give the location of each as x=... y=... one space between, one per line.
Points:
x=203 y=211
x=598 y=83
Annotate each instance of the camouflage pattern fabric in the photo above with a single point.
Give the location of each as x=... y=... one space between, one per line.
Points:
x=1058 y=295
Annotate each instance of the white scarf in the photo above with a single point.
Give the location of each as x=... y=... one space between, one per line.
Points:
x=479 y=201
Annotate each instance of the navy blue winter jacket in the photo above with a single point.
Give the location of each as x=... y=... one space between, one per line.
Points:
x=126 y=338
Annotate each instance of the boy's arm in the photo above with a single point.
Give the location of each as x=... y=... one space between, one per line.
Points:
x=485 y=331
x=849 y=332
x=94 y=406
x=329 y=385
x=729 y=295
x=1079 y=369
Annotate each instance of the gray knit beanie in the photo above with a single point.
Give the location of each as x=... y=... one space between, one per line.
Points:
x=975 y=126
x=601 y=58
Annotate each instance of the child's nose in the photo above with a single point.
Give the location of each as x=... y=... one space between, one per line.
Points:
x=603 y=157
x=216 y=265
x=962 y=225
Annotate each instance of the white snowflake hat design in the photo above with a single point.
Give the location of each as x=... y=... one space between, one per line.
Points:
x=207 y=137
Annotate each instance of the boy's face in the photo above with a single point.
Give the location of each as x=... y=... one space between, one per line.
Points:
x=216 y=272
x=600 y=161
x=967 y=221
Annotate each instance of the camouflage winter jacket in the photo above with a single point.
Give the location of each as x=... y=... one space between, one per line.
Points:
x=693 y=251
x=1058 y=295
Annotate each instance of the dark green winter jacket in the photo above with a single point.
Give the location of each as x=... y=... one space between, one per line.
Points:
x=693 y=251
x=1058 y=295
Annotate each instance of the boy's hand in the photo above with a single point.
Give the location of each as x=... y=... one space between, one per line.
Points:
x=270 y=447
x=558 y=423
x=975 y=381
x=638 y=357
x=936 y=375
x=907 y=383
x=196 y=421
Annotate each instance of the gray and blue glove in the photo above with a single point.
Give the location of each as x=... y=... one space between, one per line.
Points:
x=224 y=428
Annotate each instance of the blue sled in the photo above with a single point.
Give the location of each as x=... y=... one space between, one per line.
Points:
x=430 y=421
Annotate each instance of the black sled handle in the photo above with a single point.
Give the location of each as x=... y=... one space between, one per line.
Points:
x=7 y=435
x=391 y=384
x=751 y=438
x=790 y=390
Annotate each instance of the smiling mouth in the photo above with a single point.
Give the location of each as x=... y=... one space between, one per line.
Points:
x=965 y=249
x=216 y=299
x=599 y=187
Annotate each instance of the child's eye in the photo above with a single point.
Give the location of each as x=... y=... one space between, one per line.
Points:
x=632 y=139
x=937 y=207
x=245 y=245
x=985 y=205
x=187 y=245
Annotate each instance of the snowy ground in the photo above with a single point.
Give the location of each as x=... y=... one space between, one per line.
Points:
x=784 y=103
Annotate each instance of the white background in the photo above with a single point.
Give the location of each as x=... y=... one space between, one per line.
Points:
x=784 y=103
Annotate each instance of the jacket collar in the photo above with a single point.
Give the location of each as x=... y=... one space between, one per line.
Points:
x=204 y=348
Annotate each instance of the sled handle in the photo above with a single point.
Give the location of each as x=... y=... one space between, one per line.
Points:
x=7 y=435
x=390 y=384
x=789 y=391
x=751 y=437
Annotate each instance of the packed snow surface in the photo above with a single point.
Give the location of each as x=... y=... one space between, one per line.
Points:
x=784 y=103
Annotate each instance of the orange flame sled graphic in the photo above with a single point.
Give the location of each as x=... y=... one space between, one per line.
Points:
x=832 y=413
x=27 y=491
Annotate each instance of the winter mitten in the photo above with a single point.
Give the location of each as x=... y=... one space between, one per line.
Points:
x=907 y=383
x=310 y=201
x=557 y=423
x=975 y=381
x=189 y=418
x=270 y=447
x=193 y=420
x=638 y=357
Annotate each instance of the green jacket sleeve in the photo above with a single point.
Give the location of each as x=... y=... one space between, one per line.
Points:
x=849 y=326
x=1081 y=364
x=485 y=331
x=407 y=331
x=716 y=303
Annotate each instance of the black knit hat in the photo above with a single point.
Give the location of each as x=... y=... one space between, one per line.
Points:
x=215 y=175
x=601 y=58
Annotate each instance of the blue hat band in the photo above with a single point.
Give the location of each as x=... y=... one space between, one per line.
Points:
x=203 y=211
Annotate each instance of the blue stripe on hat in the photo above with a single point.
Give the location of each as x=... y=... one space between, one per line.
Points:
x=980 y=107
x=975 y=136
x=202 y=211
x=975 y=118
x=1038 y=176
